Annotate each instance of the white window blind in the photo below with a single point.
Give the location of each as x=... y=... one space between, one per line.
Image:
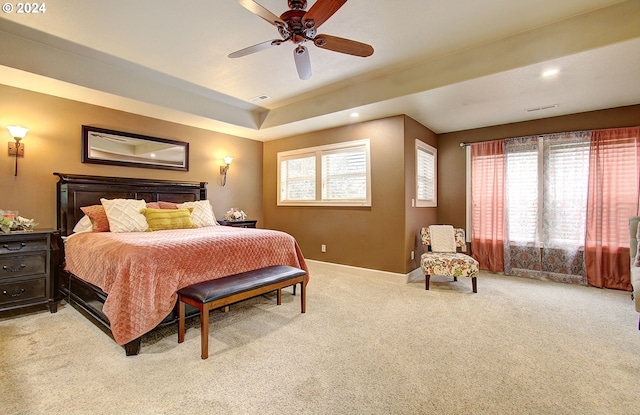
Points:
x=344 y=174
x=566 y=182
x=426 y=175
x=335 y=174
x=298 y=178
x=521 y=194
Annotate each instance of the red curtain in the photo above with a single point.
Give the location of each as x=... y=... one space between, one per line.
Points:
x=614 y=193
x=487 y=204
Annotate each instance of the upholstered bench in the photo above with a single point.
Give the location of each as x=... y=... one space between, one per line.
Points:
x=209 y=295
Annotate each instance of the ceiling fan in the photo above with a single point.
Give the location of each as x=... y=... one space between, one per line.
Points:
x=299 y=26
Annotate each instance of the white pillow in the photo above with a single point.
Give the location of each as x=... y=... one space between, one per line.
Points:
x=202 y=214
x=124 y=215
x=83 y=225
x=443 y=238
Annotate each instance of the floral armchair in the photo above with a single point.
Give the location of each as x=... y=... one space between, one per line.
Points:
x=452 y=263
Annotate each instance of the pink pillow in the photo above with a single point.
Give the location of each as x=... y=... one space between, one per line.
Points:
x=98 y=217
x=153 y=205
x=168 y=205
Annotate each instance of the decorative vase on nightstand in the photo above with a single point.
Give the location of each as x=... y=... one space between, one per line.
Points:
x=235 y=214
x=10 y=221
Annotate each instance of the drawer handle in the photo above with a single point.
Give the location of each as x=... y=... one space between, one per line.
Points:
x=16 y=269
x=16 y=247
x=16 y=294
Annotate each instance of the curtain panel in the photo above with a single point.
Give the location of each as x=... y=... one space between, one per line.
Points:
x=487 y=204
x=614 y=193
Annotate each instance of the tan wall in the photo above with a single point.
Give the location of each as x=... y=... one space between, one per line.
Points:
x=451 y=158
x=415 y=217
x=363 y=237
x=53 y=144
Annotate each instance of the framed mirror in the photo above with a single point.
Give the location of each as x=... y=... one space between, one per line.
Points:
x=101 y=146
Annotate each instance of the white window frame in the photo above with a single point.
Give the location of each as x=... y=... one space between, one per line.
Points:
x=422 y=146
x=318 y=152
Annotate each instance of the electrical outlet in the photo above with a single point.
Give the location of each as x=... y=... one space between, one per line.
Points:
x=323 y=248
x=413 y=255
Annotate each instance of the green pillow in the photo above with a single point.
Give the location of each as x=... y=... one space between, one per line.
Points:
x=162 y=219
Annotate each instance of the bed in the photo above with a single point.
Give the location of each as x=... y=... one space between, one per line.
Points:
x=127 y=282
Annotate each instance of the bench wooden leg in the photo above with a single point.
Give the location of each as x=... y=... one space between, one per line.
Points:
x=279 y=295
x=204 y=332
x=426 y=281
x=181 y=313
x=474 y=284
x=303 y=297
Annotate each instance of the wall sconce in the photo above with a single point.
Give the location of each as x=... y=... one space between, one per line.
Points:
x=16 y=149
x=225 y=169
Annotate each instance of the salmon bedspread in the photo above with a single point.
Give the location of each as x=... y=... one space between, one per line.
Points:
x=141 y=271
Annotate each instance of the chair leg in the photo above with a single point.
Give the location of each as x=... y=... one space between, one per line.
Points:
x=474 y=284
x=426 y=281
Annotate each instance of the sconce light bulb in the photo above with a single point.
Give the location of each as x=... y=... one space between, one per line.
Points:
x=228 y=160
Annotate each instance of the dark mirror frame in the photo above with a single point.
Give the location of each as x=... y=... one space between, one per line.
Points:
x=87 y=158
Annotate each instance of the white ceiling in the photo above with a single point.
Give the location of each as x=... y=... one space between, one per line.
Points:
x=451 y=65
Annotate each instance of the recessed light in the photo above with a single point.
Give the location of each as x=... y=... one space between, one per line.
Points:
x=354 y=115
x=550 y=72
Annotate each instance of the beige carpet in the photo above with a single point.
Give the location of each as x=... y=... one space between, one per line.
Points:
x=365 y=346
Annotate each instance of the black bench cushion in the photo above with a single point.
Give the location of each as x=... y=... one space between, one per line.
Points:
x=212 y=290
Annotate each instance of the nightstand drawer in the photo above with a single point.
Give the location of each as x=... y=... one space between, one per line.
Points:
x=23 y=291
x=19 y=245
x=18 y=265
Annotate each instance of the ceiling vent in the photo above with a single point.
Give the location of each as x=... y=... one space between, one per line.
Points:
x=546 y=107
x=260 y=98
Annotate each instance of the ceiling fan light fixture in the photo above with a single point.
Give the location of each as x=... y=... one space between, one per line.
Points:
x=298 y=26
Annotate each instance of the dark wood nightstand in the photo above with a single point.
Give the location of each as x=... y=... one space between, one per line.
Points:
x=27 y=271
x=239 y=223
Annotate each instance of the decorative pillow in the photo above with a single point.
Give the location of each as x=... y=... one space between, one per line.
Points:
x=442 y=238
x=202 y=214
x=161 y=219
x=167 y=205
x=153 y=205
x=124 y=215
x=83 y=225
x=98 y=217
x=637 y=263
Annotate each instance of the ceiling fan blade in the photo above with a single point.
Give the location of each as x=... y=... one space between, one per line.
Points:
x=303 y=63
x=338 y=44
x=255 y=48
x=260 y=11
x=320 y=12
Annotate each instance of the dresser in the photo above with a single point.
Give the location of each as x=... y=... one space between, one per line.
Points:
x=239 y=223
x=27 y=272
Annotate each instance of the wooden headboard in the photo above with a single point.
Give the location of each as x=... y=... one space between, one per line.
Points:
x=76 y=191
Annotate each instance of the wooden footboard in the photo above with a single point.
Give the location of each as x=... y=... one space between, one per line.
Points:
x=89 y=300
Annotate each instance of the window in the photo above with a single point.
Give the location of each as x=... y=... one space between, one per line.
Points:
x=331 y=175
x=426 y=175
x=546 y=190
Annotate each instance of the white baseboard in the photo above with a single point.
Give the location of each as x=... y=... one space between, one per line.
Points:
x=413 y=276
